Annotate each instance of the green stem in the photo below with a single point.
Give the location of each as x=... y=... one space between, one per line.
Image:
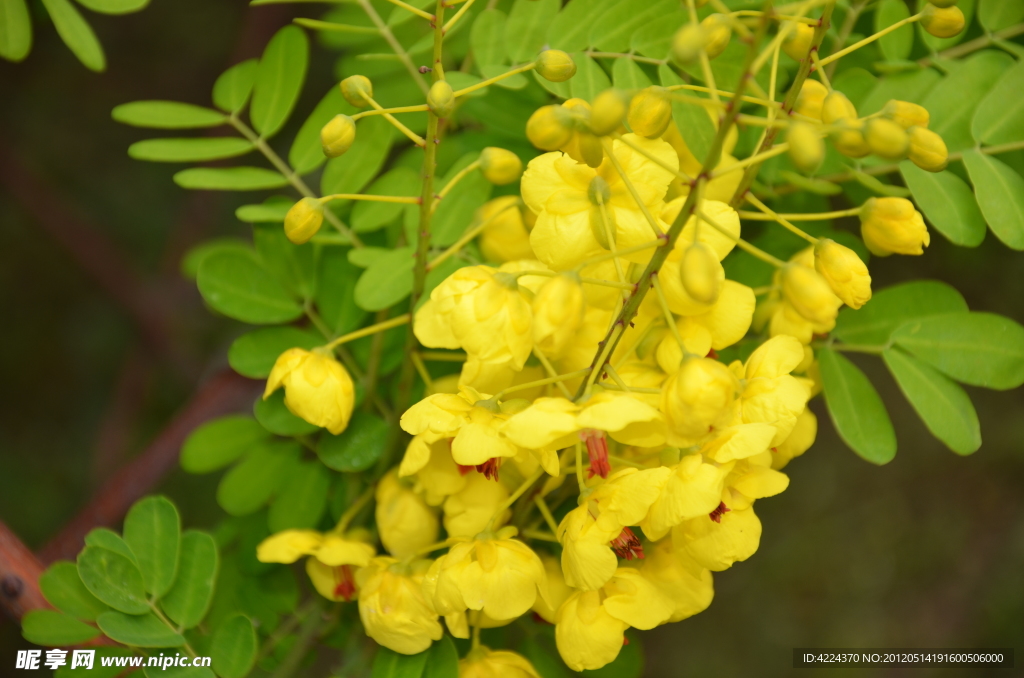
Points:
x=395 y=45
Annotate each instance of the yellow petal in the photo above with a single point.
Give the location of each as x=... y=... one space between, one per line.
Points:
x=587 y=636
x=632 y=599
x=288 y=546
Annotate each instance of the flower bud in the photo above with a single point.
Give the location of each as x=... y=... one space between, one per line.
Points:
x=701 y=273
x=337 y=135
x=688 y=42
x=837 y=107
x=698 y=398
x=404 y=521
x=845 y=272
x=609 y=110
x=887 y=139
x=441 y=99
x=555 y=65
x=590 y=149
x=717 y=34
x=500 y=166
x=558 y=309
x=798 y=43
x=927 y=150
x=806 y=147
x=850 y=141
x=893 y=226
x=811 y=99
x=942 y=22
x=547 y=129
x=357 y=90
x=303 y=220
x=650 y=113
x=809 y=294
x=906 y=114
x=316 y=387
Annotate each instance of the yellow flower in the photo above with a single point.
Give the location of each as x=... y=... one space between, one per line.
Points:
x=679 y=578
x=693 y=488
x=893 y=226
x=810 y=294
x=720 y=188
x=482 y=662
x=845 y=272
x=393 y=608
x=473 y=422
x=721 y=326
x=334 y=557
x=785 y=318
x=316 y=387
x=506 y=237
x=750 y=479
x=404 y=521
x=558 y=311
x=428 y=457
x=500 y=166
x=558 y=590
x=906 y=114
x=468 y=511
x=798 y=441
x=770 y=394
x=698 y=398
x=650 y=112
x=721 y=539
x=679 y=299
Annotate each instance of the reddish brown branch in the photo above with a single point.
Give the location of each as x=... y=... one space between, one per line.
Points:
x=19 y=576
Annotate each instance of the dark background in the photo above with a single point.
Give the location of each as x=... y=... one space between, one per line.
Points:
x=103 y=340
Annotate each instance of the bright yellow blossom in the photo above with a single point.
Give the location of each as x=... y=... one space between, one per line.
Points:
x=679 y=578
x=468 y=511
x=316 y=387
x=770 y=394
x=893 y=226
x=404 y=521
x=697 y=399
x=482 y=662
x=717 y=541
x=393 y=608
x=506 y=237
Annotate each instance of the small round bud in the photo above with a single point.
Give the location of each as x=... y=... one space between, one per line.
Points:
x=809 y=294
x=609 y=110
x=893 y=226
x=555 y=65
x=806 y=147
x=811 y=99
x=337 y=135
x=844 y=271
x=357 y=90
x=547 y=129
x=942 y=22
x=590 y=149
x=688 y=42
x=837 y=107
x=717 y=33
x=927 y=150
x=701 y=273
x=303 y=220
x=441 y=99
x=943 y=3
x=906 y=114
x=500 y=166
x=850 y=141
x=650 y=113
x=798 y=43
x=887 y=139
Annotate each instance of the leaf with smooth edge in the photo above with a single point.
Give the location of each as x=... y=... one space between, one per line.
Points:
x=197 y=149
x=487 y=38
x=292 y=265
x=626 y=74
x=948 y=203
x=1000 y=192
x=307 y=153
x=113 y=578
x=996 y=15
x=237 y=285
x=230 y=179
x=55 y=629
x=855 y=83
x=273 y=210
x=335 y=290
x=953 y=102
x=253 y=355
x=302 y=500
x=390 y=664
x=443 y=659
x=110 y=540
x=911 y=86
x=279 y=78
x=590 y=79
x=655 y=39
x=15 y=30
x=1000 y=115
x=114 y=6
x=856 y=409
x=351 y=172
x=189 y=599
x=76 y=34
x=387 y=281
x=273 y=415
x=152 y=530
x=234 y=647
x=357 y=448
x=527 y=28
x=980 y=349
x=943 y=406
x=158 y=114
x=455 y=212
x=365 y=256
x=874 y=323
x=217 y=443
x=614 y=28
x=232 y=89
x=368 y=215
x=63 y=588
x=693 y=121
x=570 y=30
x=896 y=45
x=252 y=482
x=195 y=256
x=138 y=630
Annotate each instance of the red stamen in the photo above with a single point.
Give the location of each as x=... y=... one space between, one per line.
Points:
x=346 y=583
x=717 y=514
x=490 y=468
x=712 y=354
x=627 y=545
x=597 y=450
x=463 y=470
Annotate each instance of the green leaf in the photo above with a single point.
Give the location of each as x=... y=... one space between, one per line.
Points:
x=230 y=179
x=856 y=84
x=910 y=86
x=943 y=406
x=948 y=203
x=442 y=659
x=294 y=265
x=626 y=74
x=240 y=287
x=152 y=530
x=459 y=80
x=218 y=443
x=693 y=121
x=856 y=409
x=253 y=355
x=138 y=630
x=875 y=185
x=302 y=500
x=590 y=79
x=655 y=39
x=189 y=599
x=98 y=670
x=365 y=256
x=167 y=115
x=104 y=538
x=1000 y=192
x=368 y=215
x=455 y=212
x=874 y=323
x=197 y=149
x=387 y=281
x=357 y=448
x=895 y=46
x=487 y=38
x=1000 y=115
x=570 y=30
x=614 y=28
x=527 y=28
x=953 y=102
x=390 y=664
x=195 y=256
x=271 y=211
x=335 y=290
x=980 y=349
x=232 y=89
x=55 y=629
x=279 y=78
x=114 y=6
x=996 y=15
x=351 y=172
x=113 y=578
x=307 y=153
x=234 y=647
x=15 y=30
x=76 y=34
x=253 y=481
x=63 y=588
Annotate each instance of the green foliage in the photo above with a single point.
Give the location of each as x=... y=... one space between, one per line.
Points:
x=63 y=588
x=302 y=500
x=152 y=530
x=239 y=286
x=875 y=322
x=232 y=89
x=114 y=579
x=1000 y=195
x=47 y=627
x=948 y=203
x=856 y=409
x=76 y=34
x=357 y=448
x=15 y=30
x=167 y=115
x=390 y=664
x=234 y=647
x=253 y=354
x=189 y=149
x=251 y=483
x=189 y=598
x=222 y=441
x=279 y=78
x=230 y=178
x=139 y=630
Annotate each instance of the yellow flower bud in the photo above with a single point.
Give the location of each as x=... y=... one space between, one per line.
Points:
x=555 y=65
x=806 y=147
x=485 y=663
x=506 y=237
x=837 y=107
x=650 y=113
x=557 y=314
x=698 y=398
x=809 y=294
x=798 y=43
x=441 y=99
x=717 y=33
x=942 y=22
x=590 y=149
x=609 y=110
x=927 y=150
x=337 y=135
x=886 y=139
x=701 y=273
x=893 y=226
x=850 y=140
x=500 y=166
x=393 y=608
x=906 y=114
x=547 y=128
x=811 y=99
x=316 y=387
x=845 y=272
x=303 y=220
x=688 y=42
x=404 y=521
x=357 y=90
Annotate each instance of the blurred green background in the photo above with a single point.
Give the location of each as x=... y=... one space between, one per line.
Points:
x=926 y=552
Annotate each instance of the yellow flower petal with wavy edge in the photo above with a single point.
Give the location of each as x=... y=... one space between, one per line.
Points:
x=393 y=609
x=717 y=545
x=404 y=521
x=288 y=546
x=739 y=442
x=316 y=387
x=631 y=598
x=335 y=550
x=626 y=419
x=587 y=636
x=626 y=496
x=693 y=488
x=680 y=579
x=548 y=422
x=485 y=663
x=468 y=511
x=587 y=560
x=442 y=414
